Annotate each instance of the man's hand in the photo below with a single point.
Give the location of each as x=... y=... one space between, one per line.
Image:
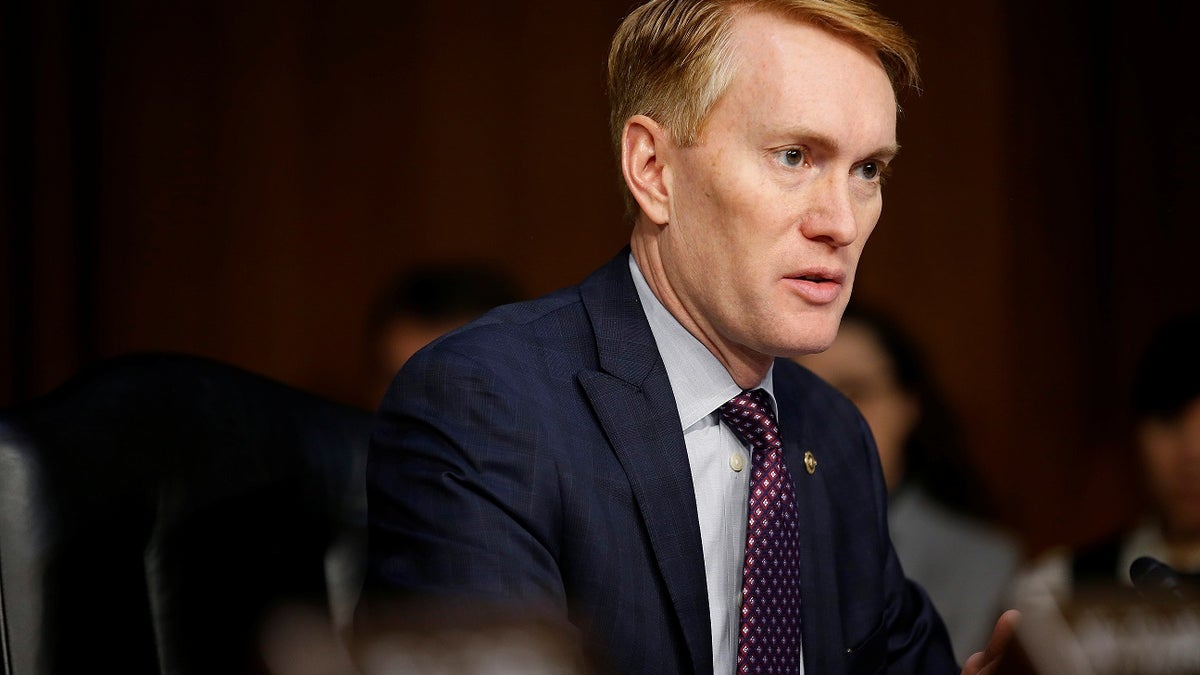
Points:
x=987 y=661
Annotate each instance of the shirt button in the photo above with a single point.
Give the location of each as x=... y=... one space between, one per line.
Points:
x=737 y=462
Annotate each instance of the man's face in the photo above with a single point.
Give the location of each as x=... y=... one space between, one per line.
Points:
x=770 y=209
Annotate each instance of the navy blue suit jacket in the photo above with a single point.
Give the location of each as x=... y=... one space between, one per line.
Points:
x=535 y=456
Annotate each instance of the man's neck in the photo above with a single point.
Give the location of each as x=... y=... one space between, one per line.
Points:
x=745 y=366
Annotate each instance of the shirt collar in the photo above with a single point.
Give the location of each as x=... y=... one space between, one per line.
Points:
x=699 y=381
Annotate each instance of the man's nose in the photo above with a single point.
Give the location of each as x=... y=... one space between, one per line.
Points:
x=832 y=217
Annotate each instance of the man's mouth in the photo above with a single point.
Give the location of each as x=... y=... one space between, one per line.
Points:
x=820 y=286
x=821 y=276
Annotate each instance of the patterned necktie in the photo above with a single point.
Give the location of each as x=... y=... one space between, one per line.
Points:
x=769 y=630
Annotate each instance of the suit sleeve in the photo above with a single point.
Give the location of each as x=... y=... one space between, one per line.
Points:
x=462 y=495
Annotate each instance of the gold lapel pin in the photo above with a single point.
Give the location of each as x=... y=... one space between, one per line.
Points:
x=810 y=462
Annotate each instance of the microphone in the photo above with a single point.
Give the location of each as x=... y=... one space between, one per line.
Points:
x=1154 y=577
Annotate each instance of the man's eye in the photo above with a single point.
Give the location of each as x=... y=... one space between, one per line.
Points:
x=792 y=157
x=869 y=170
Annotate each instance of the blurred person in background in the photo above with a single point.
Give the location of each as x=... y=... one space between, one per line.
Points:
x=937 y=502
x=422 y=304
x=1166 y=407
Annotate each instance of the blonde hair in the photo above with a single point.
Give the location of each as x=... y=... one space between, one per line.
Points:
x=670 y=60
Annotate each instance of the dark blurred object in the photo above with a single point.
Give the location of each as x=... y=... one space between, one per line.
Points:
x=157 y=509
x=424 y=303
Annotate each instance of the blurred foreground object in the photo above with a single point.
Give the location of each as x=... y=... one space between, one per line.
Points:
x=454 y=637
x=1110 y=630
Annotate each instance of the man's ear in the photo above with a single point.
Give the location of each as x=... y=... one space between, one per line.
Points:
x=643 y=143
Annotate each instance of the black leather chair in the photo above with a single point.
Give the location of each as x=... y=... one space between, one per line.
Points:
x=158 y=507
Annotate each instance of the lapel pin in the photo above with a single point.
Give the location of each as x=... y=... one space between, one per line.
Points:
x=810 y=463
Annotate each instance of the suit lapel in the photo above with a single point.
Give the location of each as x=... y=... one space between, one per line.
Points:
x=636 y=407
x=819 y=591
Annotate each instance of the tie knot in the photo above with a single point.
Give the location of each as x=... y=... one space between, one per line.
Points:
x=749 y=415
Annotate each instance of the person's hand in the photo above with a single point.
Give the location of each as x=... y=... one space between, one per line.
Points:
x=986 y=661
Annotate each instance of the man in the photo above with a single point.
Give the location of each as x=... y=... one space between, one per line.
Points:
x=584 y=454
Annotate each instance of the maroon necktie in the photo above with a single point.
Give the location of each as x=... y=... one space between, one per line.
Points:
x=769 y=631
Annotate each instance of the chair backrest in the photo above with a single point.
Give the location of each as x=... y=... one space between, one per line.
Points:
x=157 y=507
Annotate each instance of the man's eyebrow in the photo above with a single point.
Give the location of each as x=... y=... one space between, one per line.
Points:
x=830 y=144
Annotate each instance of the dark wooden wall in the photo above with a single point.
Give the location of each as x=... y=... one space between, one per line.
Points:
x=238 y=179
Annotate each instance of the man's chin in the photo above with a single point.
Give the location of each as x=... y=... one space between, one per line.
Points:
x=809 y=332
x=810 y=345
